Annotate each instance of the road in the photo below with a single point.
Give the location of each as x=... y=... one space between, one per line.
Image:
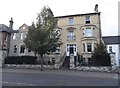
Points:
x=35 y=77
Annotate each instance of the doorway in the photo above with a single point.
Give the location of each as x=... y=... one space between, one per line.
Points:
x=71 y=49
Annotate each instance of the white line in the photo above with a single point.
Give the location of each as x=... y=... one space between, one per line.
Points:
x=19 y=83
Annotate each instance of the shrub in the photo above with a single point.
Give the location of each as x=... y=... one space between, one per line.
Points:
x=20 y=60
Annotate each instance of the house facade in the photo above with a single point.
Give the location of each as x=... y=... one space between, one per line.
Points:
x=17 y=47
x=5 y=38
x=79 y=34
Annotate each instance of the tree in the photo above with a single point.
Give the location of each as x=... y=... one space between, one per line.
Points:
x=100 y=56
x=42 y=37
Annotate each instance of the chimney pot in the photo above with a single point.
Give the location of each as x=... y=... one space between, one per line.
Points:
x=96 y=8
x=11 y=23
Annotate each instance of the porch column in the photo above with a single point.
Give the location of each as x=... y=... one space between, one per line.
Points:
x=92 y=46
x=85 y=47
x=67 y=50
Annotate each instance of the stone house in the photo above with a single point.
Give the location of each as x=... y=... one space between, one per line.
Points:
x=5 y=38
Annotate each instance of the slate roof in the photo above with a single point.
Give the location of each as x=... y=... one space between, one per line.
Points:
x=4 y=28
x=78 y=15
x=111 y=40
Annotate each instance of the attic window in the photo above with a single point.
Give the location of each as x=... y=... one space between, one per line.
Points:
x=23 y=27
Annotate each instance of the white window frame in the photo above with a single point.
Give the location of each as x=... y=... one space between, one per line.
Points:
x=91 y=47
x=26 y=34
x=88 y=32
x=21 y=35
x=71 y=35
x=14 y=35
x=87 y=20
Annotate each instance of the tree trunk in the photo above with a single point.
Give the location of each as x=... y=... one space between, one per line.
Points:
x=41 y=61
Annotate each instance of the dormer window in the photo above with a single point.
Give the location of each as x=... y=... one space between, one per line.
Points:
x=23 y=28
x=87 y=19
x=71 y=21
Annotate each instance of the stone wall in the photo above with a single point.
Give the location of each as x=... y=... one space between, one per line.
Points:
x=79 y=68
x=98 y=69
x=28 y=66
x=1 y=58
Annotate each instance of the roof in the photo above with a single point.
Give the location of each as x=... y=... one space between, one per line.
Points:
x=16 y=31
x=23 y=25
x=78 y=15
x=111 y=40
x=4 y=28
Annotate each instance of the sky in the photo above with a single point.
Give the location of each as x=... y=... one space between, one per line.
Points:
x=25 y=11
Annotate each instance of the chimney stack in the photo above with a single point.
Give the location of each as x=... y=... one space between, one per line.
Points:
x=96 y=8
x=11 y=23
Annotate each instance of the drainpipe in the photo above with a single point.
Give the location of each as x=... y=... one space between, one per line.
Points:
x=100 y=27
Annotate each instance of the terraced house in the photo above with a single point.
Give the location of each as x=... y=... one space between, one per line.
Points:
x=79 y=34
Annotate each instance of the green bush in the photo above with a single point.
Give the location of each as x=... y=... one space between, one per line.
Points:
x=100 y=55
x=102 y=60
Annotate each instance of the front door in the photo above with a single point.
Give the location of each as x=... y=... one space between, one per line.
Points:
x=71 y=49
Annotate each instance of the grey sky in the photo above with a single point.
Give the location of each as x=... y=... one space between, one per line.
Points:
x=25 y=11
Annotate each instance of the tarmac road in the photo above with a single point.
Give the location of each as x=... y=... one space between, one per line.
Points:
x=35 y=77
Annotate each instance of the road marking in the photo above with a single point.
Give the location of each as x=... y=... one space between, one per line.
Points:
x=28 y=84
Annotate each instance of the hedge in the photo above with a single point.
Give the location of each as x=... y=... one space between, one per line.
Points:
x=20 y=60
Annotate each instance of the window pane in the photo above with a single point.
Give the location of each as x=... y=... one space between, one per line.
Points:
x=89 y=47
x=15 y=48
x=87 y=19
x=71 y=35
x=71 y=21
x=22 y=49
x=14 y=35
x=21 y=35
x=88 y=32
